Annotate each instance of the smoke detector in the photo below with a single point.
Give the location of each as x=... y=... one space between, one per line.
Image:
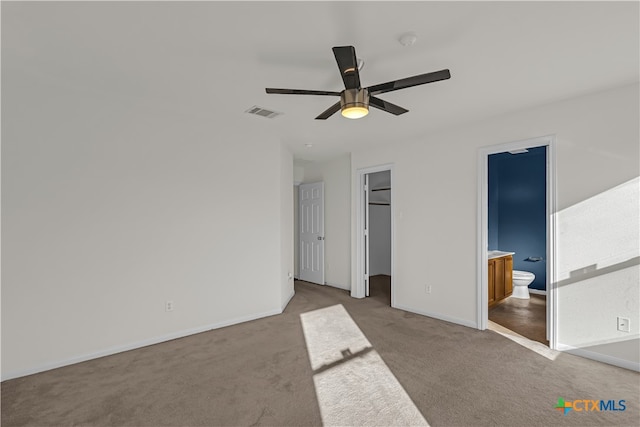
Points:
x=408 y=39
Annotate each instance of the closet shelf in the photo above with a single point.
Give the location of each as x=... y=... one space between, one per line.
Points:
x=381 y=189
x=380 y=203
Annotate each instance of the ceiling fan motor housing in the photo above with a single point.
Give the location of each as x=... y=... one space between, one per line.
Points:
x=354 y=98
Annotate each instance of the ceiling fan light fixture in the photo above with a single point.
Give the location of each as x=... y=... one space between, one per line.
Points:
x=354 y=112
x=354 y=103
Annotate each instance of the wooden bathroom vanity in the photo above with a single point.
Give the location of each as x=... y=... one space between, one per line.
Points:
x=500 y=276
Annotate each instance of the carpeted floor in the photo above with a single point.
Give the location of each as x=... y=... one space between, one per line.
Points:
x=259 y=373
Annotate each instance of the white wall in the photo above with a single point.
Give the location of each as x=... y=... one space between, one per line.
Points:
x=286 y=226
x=110 y=211
x=435 y=206
x=336 y=174
x=598 y=270
x=298 y=174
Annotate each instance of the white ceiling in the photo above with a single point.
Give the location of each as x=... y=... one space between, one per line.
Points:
x=212 y=60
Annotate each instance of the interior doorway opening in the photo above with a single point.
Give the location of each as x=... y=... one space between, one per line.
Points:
x=517 y=223
x=379 y=233
x=522 y=260
x=374 y=251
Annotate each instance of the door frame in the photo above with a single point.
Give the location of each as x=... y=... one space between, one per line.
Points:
x=358 y=286
x=483 y=230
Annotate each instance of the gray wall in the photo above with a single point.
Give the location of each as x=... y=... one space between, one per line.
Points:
x=103 y=221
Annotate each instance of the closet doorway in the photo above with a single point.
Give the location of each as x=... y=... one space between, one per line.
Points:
x=375 y=235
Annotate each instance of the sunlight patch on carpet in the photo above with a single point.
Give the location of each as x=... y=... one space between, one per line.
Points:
x=539 y=348
x=353 y=384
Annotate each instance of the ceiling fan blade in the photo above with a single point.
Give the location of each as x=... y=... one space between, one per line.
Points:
x=383 y=105
x=409 y=82
x=329 y=111
x=348 y=65
x=301 y=92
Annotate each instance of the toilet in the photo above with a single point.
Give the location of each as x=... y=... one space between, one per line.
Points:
x=521 y=282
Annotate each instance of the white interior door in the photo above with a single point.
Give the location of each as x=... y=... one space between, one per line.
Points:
x=312 y=232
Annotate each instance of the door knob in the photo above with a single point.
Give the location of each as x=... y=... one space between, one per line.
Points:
x=320 y=238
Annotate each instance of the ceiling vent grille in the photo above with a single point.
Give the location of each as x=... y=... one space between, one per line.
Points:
x=259 y=111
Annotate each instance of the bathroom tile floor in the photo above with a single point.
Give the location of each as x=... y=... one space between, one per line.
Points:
x=525 y=317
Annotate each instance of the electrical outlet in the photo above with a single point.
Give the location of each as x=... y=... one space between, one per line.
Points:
x=624 y=324
x=168 y=306
x=427 y=289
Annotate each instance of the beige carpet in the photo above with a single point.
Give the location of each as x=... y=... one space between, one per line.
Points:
x=260 y=373
x=353 y=384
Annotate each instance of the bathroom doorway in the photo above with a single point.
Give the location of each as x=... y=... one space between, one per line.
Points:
x=515 y=205
x=374 y=225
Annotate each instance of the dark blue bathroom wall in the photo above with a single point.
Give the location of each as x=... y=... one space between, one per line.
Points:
x=517 y=219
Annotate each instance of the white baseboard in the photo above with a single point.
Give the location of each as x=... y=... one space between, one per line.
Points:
x=286 y=303
x=132 y=346
x=439 y=316
x=537 y=292
x=599 y=357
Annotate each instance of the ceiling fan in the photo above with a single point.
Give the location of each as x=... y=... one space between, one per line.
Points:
x=355 y=100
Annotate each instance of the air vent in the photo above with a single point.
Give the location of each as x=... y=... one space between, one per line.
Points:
x=259 y=111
